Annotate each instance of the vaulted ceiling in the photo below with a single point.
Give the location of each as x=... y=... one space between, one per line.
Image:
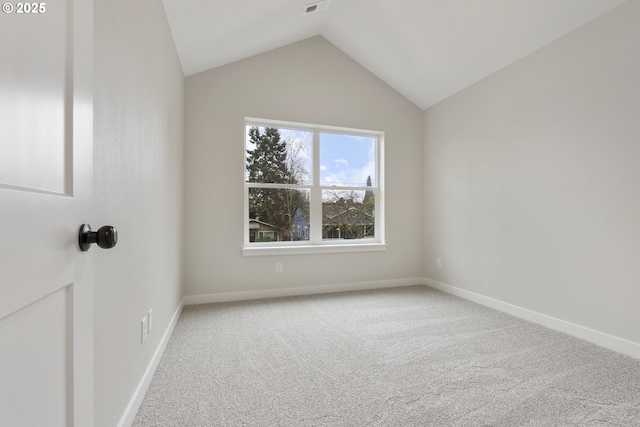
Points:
x=425 y=49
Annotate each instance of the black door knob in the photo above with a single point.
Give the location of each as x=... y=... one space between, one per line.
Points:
x=106 y=237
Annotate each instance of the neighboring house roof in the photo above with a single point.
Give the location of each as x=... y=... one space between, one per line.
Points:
x=339 y=214
x=299 y=218
x=256 y=224
x=348 y=216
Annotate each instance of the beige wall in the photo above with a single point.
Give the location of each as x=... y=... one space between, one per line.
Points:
x=532 y=178
x=138 y=161
x=312 y=82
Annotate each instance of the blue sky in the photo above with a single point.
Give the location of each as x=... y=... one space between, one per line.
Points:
x=346 y=160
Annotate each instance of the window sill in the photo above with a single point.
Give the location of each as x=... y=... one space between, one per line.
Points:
x=315 y=249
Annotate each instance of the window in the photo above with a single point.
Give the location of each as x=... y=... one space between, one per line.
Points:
x=311 y=188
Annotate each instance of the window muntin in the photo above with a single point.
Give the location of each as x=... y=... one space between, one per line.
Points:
x=311 y=185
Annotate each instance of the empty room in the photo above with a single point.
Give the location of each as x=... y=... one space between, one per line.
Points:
x=329 y=213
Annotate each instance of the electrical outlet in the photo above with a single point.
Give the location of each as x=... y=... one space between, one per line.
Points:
x=278 y=267
x=150 y=316
x=439 y=262
x=145 y=327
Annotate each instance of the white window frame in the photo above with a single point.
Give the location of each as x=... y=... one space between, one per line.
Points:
x=316 y=244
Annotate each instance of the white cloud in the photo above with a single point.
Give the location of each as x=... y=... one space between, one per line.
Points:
x=341 y=161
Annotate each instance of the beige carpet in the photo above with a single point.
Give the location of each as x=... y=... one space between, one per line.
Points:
x=409 y=356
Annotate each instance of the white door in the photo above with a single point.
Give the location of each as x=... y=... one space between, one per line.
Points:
x=46 y=306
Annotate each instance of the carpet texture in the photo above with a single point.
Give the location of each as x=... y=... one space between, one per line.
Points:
x=411 y=356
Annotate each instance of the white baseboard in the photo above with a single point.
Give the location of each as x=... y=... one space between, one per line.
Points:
x=136 y=400
x=611 y=342
x=304 y=290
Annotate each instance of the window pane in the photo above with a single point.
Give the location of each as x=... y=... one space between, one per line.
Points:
x=278 y=156
x=347 y=160
x=277 y=215
x=348 y=214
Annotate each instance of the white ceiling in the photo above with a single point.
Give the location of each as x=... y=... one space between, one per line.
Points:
x=425 y=49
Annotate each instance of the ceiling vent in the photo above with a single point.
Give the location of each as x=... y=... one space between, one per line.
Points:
x=316 y=7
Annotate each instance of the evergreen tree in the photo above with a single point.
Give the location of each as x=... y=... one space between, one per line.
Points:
x=268 y=162
x=369 y=198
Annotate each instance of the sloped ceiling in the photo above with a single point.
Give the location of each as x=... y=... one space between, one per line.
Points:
x=425 y=49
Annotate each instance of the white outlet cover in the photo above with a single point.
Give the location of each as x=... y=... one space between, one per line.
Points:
x=150 y=316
